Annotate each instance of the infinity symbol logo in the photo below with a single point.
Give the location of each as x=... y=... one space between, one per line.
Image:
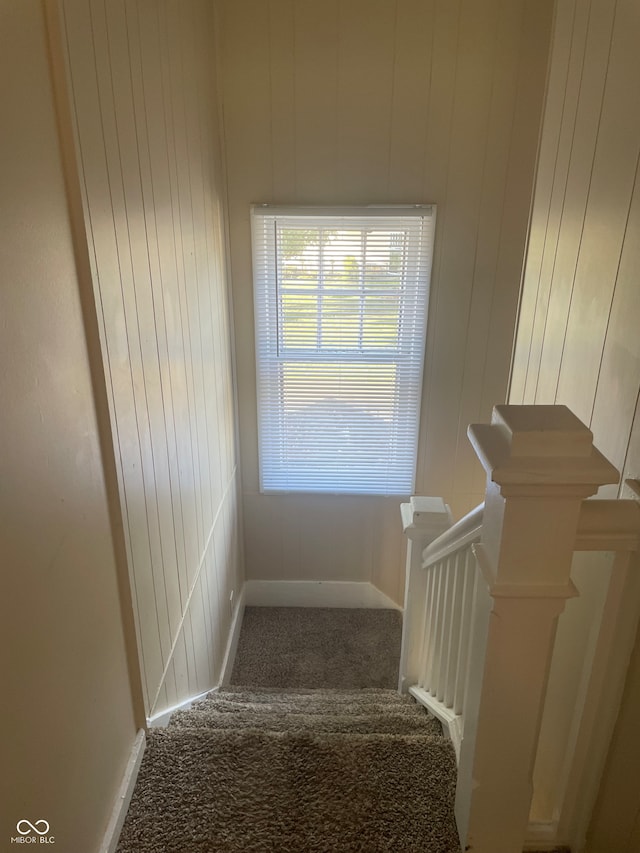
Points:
x=32 y=827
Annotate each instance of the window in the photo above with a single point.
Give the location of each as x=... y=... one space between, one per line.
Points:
x=340 y=300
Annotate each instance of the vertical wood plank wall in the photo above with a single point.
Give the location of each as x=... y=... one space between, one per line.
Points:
x=387 y=101
x=578 y=340
x=143 y=92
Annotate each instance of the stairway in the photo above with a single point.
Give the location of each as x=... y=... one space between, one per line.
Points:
x=295 y=771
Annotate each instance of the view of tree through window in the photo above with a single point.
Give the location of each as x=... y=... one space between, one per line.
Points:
x=341 y=289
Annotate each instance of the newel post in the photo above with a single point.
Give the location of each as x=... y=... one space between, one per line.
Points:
x=540 y=464
x=423 y=520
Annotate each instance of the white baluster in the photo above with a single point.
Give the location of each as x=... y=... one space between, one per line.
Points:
x=468 y=598
x=436 y=631
x=456 y=627
x=425 y=639
x=447 y=602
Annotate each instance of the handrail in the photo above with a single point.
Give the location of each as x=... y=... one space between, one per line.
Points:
x=607 y=525
x=462 y=533
x=604 y=525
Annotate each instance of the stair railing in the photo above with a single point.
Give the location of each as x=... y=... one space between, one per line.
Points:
x=436 y=674
x=483 y=597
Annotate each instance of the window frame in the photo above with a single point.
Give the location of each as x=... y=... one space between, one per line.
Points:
x=272 y=351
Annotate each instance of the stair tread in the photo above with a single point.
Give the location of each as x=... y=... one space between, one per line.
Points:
x=362 y=692
x=257 y=696
x=305 y=736
x=320 y=706
x=283 y=721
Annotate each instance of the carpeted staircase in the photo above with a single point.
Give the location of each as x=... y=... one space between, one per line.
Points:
x=295 y=770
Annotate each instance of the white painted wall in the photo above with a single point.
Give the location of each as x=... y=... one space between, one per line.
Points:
x=578 y=340
x=66 y=715
x=387 y=101
x=143 y=97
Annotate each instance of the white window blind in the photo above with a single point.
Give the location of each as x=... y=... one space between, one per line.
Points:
x=340 y=299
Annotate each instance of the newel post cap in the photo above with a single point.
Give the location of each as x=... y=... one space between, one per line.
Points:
x=425 y=518
x=540 y=447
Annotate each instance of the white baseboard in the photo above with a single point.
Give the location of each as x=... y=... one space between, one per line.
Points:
x=316 y=594
x=234 y=636
x=121 y=805
x=161 y=720
x=541 y=836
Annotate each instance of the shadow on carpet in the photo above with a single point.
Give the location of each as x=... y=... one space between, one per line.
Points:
x=318 y=647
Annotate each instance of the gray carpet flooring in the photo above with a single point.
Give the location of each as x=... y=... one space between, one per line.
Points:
x=318 y=647
x=313 y=787
x=285 y=768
